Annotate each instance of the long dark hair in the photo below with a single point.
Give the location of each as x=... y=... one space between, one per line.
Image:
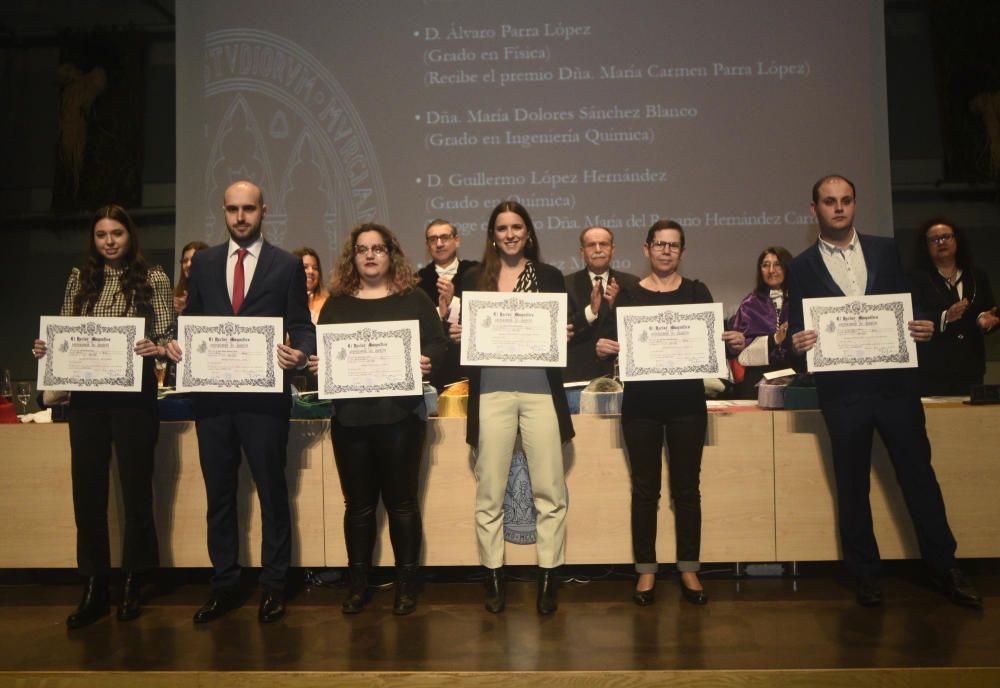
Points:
x=135 y=287
x=922 y=252
x=784 y=257
x=346 y=280
x=489 y=277
x=182 y=281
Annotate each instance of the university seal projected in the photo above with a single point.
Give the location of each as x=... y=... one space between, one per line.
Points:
x=228 y=354
x=860 y=332
x=671 y=342
x=90 y=354
x=514 y=329
x=372 y=359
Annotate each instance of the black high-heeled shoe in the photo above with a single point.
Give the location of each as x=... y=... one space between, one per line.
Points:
x=496 y=590
x=691 y=595
x=644 y=598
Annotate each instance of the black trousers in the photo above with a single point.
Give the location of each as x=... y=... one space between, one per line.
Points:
x=901 y=424
x=263 y=437
x=374 y=460
x=685 y=438
x=93 y=429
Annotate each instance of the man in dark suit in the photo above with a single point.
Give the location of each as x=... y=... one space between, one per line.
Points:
x=592 y=293
x=857 y=403
x=441 y=279
x=248 y=277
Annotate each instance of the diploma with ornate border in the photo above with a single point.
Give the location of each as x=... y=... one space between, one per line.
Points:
x=514 y=329
x=90 y=354
x=229 y=354
x=671 y=342
x=369 y=359
x=860 y=332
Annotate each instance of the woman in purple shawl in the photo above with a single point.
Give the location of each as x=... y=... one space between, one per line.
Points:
x=762 y=314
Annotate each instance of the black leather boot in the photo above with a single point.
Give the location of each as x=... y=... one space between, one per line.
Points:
x=94 y=604
x=547 y=582
x=407 y=584
x=358 y=593
x=496 y=590
x=131 y=605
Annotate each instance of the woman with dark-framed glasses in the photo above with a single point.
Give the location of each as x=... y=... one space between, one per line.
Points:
x=670 y=411
x=957 y=297
x=378 y=442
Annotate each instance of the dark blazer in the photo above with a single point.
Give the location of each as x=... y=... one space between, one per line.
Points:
x=582 y=362
x=450 y=369
x=278 y=289
x=955 y=359
x=549 y=280
x=808 y=278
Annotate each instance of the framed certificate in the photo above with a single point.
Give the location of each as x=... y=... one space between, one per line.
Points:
x=513 y=329
x=229 y=354
x=671 y=342
x=372 y=359
x=860 y=332
x=90 y=354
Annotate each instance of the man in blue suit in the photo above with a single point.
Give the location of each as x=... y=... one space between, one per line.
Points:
x=856 y=403
x=247 y=276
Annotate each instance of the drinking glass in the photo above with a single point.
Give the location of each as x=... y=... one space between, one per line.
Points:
x=5 y=390
x=23 y=396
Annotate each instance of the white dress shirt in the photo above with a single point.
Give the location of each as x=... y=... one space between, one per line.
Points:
x=846 y=265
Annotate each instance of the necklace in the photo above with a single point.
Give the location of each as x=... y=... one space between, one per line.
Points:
x=953 y=278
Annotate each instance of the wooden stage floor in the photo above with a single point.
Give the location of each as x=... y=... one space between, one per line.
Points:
x=756 y=631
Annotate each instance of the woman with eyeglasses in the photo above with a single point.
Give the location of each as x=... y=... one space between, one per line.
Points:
x=503 y=401
x=671 y=410
x=762 y=314
x=115 y=281
x=957 y=296
x=378 y=442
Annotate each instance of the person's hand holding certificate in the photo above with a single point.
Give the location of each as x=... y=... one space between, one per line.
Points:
x=229 y=354
x=514 y=329
x=371 y=359
x=860 y=332
x=671 y=342
x=90 y=354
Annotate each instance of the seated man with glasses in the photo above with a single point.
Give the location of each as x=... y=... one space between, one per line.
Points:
x=441 y=279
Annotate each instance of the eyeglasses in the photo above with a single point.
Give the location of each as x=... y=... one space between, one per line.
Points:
x=377 y=249
x=665 y=246
x=440 y=239
x=940 y=239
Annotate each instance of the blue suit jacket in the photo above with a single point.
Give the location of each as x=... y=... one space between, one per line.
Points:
x=278 y=289
x=808 y=278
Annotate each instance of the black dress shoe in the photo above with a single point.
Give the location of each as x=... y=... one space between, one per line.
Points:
x=131 y=604
x=272 y=606
x=223 y=600
x=868 y=592
x=691 y=595
x=93 y=605
x=959 y=589
x=547 y=583
x=644 y=598
x=406 y=590
x=358 y=592
x=496 y=590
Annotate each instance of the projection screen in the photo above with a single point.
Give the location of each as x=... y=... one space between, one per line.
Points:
x=718 y=114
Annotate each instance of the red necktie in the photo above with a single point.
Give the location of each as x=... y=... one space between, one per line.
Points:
x=238 y=281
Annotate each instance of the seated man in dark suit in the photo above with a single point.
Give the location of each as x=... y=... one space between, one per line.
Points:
x=249 y=277
x=857 y=403
x=592 y=293
x=441 y=279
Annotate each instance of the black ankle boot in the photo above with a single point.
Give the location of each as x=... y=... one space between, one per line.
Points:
x=496 y=590
x=131 y=605
x=406 y=589
x=358 y=593
x=94 y=604
x=547 y=582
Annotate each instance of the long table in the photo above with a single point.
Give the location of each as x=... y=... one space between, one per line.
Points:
x=767 y=494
